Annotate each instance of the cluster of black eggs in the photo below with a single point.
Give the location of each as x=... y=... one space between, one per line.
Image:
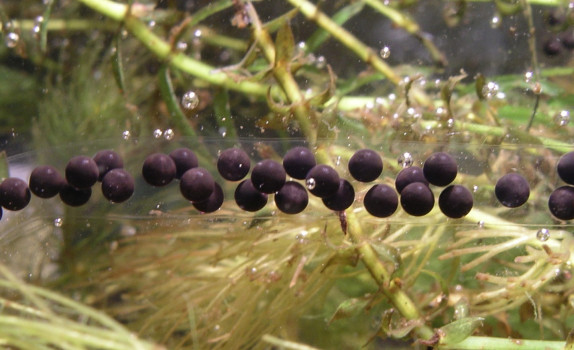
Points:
x=412 y=188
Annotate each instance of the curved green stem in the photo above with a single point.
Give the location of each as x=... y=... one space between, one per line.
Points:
x=475 y=343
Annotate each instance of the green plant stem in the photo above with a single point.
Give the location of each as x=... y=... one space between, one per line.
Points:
x=282 y=73
x=475 y=343
x=349 y=40
x=163 y=50
x=410 y=27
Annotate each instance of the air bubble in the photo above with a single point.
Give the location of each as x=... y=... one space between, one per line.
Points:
x=126 y=135
x=197 y=33
x=190 y=100
x=151 y=24
x=450 y=123
x=320 y=62
x=475 y=188
x=157 y=133
x=542 y=235
x=562 y=118
x=495 y=22
x=58 y=222
x=310 y=183
x=168 y=134
x=385 y=52
x=528 y=76
x=490 y=90
x=181 y=46
x=405 y=160
x=480 y=224
x=222 y=131
x=11 y=40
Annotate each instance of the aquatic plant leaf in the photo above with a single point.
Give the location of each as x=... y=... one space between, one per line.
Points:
x=325 y=95
x=223 y=115
x=570 y=340
x=277 y=23
x=284 y=46
x=341 y=17
x=172 y=103
x=459 y=330
x=448 y=88
x=117 y=64
x=348 y=308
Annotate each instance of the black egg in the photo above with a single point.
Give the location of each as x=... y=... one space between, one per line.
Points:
x=106 y=161
x=196 y=184
x=322 y=181
x=512 y=190
x=408 y=176
x=248 y=197
x=565 y=168
x=455 y=201
x=184 y=159
x=417 y=199
x=118 y=185
x=440 y=169
x=233 y=164
x=292 y=198
x=381 y=201
x=14 y=194
x=343 y=198
x=268 y=176
x=75 y=197
x=46 y=181
x=298 y=161
x=82 y=172
x=158 y=169
x=365 y=165
x=213 y=202
x=561 y=203
x=1 y=212
x=552 y=47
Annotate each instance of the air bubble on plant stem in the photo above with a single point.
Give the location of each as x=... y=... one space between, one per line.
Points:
x=405 y=160
x=151 y=24
x=542 y=235
x=157 y=133
x=495 y=21
x=320 y=62
x=562 y=118
x=474 y=188
x=223 y=131
x=385 y=52
x=490 y=90
x=181 y=46
x=450 y=123
x=310 y=183
x=11 y=40
x=58 y=222
x=392 y=97
x=126 y=135
x=197 y=33
x=338 y=161
x=37 y=27
x=168 y=134
x=190 y=100
x=528 y=76
x=480 y=224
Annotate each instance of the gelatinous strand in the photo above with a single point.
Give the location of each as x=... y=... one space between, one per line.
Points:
x=298 y=161
x=365 y=165
x=440 y=169
x=158 y=169
x=75 y=197
x=233 y=164
x=45 y=181
x=381 y=201
x=512 y=190
x=184 y=159
x=408 y=176
x=268 y=176
x=561 y=203
x=248 y=197
x=455 y=201
x=106 y=161
x=213 y=202
x=197 y=184
x=343 y=197
x=322 y=181
x=417 y=199
x=82 y=172
x=565 y=168
x=292 y=198
x=14 y=194
x=118 y=185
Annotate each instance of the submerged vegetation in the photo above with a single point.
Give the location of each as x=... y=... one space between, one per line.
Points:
x=487 y=85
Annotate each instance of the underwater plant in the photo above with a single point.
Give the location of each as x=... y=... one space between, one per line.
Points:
x=238 y=174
